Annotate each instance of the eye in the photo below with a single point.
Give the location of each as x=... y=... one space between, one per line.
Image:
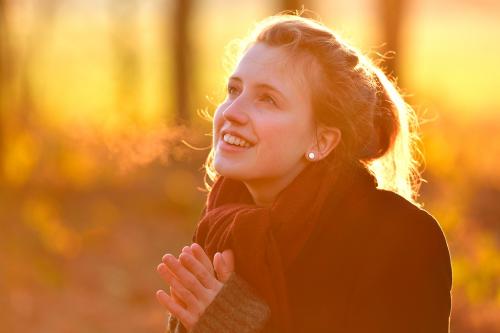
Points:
x=268 y=99
x=231 y=89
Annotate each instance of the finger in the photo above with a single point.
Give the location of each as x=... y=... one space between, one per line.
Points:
x=176 y=297
x=221 y=268
x=228 y=258
x=200 y=254
x=206 y=263
x=206 y=278
x=175 y=309
x=185 y=277
x=218 y=265
x=182 y=292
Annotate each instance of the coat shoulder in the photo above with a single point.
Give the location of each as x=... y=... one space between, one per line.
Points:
x=404 y=283
x=404 y=216
x=408 y=229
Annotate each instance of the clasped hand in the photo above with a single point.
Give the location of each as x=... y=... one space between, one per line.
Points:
x=194 y=281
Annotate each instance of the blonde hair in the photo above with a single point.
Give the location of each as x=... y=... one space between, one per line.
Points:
x=351 y=93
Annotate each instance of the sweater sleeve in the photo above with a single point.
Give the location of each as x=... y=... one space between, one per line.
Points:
x=236 y=308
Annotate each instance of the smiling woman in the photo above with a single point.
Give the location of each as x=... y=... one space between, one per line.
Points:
x=312 y=223
x=264 y=105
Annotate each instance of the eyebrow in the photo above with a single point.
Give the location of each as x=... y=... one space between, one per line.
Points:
x=260 y=85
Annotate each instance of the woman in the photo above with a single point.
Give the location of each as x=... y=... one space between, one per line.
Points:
x=312 y=222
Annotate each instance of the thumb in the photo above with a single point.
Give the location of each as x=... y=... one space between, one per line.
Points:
x=224 y=264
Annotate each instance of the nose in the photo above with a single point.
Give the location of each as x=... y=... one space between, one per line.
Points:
x=235 y=112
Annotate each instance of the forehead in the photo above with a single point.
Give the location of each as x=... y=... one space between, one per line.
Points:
x=274 y=66
x=261 y=57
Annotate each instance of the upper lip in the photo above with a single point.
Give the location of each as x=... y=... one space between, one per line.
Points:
x=236 y=134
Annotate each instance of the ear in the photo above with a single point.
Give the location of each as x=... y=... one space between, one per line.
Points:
x=327 y=139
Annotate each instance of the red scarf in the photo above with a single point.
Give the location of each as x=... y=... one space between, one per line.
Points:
x=266 y=240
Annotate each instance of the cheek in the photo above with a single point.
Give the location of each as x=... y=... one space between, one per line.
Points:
x=217 y=121
x=283 y=137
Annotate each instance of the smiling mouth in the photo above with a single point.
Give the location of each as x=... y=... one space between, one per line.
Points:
x=229 y=147
x=236 y=141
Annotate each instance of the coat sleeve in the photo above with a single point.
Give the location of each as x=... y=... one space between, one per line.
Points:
x=406 y=285
x=236 y=308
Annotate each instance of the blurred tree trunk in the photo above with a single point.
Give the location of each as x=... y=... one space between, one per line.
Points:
x=16 y=110
x=182 y=60
x=391 y=16
x=5 y=74
x=42 y=29
x=291 y=4
x=126 y=65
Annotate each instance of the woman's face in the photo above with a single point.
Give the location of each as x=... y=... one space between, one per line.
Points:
x=268 y=107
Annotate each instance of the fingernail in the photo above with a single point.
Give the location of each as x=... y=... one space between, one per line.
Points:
x=168 y=258
x=163 y=295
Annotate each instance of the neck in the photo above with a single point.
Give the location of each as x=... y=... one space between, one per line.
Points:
x=265 y=190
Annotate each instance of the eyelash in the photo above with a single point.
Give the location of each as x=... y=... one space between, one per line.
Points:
x=230 y=89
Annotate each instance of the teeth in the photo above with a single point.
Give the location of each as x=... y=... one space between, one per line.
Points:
x=235 y=140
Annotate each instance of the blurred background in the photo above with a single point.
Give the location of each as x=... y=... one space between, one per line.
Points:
x=101 y=145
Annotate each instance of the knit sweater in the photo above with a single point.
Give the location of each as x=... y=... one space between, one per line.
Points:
x=235 y=308
x=383 y=267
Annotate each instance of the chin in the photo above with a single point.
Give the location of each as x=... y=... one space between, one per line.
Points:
x=230 y=172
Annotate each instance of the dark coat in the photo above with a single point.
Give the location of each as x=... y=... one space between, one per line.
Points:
x=375 y=263
x=385 y=267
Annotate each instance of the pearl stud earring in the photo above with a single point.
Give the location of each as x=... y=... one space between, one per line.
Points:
x=311 y=156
